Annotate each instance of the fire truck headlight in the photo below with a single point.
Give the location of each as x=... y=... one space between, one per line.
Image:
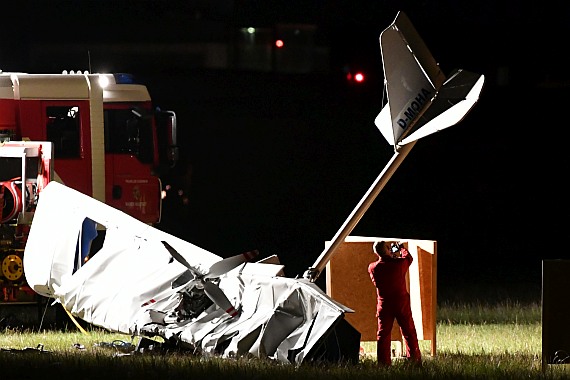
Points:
x=103 y=81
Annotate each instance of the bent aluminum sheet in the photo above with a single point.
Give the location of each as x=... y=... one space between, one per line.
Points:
x=127 y=285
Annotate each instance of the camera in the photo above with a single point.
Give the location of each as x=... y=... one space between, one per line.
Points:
x=394 y=248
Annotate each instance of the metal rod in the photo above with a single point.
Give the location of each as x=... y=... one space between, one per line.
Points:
x=313 y=272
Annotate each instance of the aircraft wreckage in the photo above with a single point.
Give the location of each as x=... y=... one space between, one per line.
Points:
x=145 y=282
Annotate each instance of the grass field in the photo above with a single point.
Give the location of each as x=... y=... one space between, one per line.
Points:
x=474 y=341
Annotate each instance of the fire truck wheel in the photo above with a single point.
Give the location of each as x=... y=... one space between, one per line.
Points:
x=12 y=267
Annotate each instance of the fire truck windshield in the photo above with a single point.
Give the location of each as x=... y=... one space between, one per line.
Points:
x=129 y=131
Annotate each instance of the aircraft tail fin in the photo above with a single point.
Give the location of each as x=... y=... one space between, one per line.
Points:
x=421 y=100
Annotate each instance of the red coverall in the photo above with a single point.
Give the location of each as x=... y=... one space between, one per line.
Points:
x=393 y=302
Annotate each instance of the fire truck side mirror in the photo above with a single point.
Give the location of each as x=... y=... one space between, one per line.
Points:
x=167 y=132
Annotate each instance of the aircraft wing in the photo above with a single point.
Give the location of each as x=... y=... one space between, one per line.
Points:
x=421 y=100
x=143 y=281
x=131 y=268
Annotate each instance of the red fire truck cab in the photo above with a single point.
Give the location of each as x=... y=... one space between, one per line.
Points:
x=107 y=141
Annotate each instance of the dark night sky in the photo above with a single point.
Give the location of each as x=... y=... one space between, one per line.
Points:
x=280 y=166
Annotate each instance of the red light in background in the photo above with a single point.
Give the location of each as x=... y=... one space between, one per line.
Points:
x=356 y=77
x=279 y=43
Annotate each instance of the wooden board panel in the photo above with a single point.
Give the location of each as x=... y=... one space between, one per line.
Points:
x=348 y=282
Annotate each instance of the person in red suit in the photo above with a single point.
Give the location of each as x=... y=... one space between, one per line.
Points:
x=388 y=275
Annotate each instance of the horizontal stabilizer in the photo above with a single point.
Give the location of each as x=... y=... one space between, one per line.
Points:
x=453 y=101
x=384 y=123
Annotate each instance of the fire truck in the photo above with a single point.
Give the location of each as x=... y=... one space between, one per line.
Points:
x=97 y=133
